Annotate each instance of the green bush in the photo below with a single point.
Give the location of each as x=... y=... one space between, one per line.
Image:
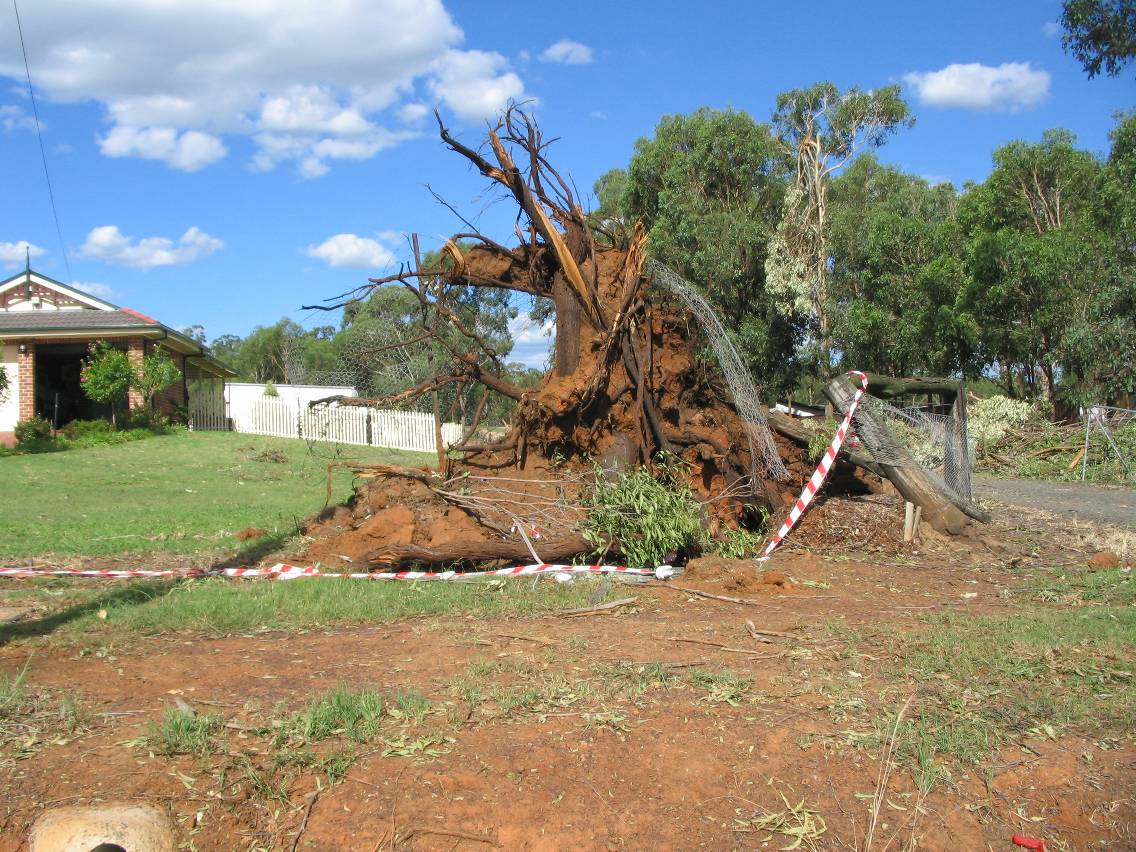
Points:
x=78 y=430
x=149 y=420
x=647 y=519
x=34 y=436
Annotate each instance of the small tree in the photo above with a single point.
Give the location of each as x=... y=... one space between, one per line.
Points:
x=106 y=376
x=3 y=384
x=157 y=371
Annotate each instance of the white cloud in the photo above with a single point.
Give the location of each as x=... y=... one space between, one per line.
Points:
x=110 y=245
x=531 y=341
x=14 y=118
x=13 y=255
x=352 y=251
x=187 y=151
x=176 y=78
x=568 y=52
x=99 y=291
x=413 y=112
x=1051 y=29
x=474 y=83
x=1007 y=87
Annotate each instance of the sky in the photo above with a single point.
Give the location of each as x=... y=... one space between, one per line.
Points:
x=223 y=164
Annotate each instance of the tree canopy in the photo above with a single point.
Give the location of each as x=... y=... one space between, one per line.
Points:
x=1101 y=34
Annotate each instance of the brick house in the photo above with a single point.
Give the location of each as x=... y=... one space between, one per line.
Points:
x=46 y=328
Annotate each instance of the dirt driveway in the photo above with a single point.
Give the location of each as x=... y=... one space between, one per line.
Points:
x=1104 y=504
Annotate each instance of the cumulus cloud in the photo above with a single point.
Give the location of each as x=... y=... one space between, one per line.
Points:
x=14 y=118
x=473 y=83
x=567 y=52
x=298 y=77
x=108 y=244
x=99 y=291
x=531 y=340
x=187 y=151
x=14 y=254
x=1008 y=87
x=352 y=251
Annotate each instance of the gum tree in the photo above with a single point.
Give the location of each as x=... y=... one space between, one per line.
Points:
x=820 y=129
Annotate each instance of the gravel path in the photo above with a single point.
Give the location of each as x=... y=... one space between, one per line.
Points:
x=1105 y=504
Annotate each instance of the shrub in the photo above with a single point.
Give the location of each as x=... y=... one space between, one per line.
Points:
x=34 y=436
x=989 y=419
x=78 y=430
x=270 y=389
x=647 y=519
x=151 y=421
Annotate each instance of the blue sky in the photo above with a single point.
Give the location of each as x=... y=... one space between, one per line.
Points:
x=221 y=164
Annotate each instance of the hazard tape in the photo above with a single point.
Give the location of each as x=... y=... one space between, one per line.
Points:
x=282 y=571
x=821 y=473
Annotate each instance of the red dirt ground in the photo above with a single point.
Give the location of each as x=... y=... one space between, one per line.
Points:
x=672 y=770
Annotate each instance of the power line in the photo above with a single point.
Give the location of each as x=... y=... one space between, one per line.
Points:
x=42 y=149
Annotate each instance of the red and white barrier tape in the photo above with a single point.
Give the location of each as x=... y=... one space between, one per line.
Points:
x=282 y=571
x=821 y=473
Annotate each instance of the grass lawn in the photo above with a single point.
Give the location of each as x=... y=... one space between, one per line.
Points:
x=1061 y=660
x=219 y=606
x=187 y=493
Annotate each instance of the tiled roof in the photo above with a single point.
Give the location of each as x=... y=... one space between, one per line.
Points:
x=14 y=321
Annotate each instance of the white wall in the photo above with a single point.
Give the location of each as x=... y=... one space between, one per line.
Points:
x=10 y=404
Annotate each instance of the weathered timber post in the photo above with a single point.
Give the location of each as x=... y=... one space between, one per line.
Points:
x=906 y=474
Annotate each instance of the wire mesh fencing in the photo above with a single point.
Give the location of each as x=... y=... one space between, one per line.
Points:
x=763 y=452
x=904 y=437
x=1117 y=428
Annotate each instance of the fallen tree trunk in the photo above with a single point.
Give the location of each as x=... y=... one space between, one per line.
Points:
x=906 y=474
x=792 y=429
x=890 y=387
x=551 y=551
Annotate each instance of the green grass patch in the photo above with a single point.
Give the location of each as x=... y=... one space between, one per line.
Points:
x=182 y=733
x=182 y=493
x=984 y=682
x=342 y=711
x=217 y=605
x=1113 y=587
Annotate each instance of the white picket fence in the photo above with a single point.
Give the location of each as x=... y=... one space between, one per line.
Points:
x=374 y=427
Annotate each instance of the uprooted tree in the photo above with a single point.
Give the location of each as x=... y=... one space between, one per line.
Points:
x=630 y=381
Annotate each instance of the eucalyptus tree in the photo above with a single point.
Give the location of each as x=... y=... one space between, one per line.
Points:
x=1101 y=34
x=820 y=130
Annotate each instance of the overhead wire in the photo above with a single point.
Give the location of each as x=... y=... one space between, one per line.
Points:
x=42 y=148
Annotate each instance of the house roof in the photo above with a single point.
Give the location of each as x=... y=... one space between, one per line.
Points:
x=98 y=318
x=32 y=321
